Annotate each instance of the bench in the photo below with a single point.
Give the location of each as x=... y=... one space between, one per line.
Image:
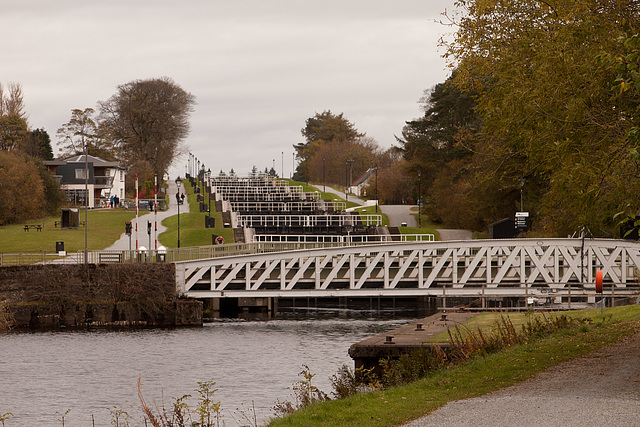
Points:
x=57 y=223
x=104 y=258
x=28 y=227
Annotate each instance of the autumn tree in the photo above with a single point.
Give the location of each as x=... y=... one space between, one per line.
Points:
x=12 y=101
x=13 y=130
x=547 y=112
x=327 y=136
x=19 y=177
x=147 y=121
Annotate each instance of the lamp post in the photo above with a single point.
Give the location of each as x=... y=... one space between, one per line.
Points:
x=419 y=216
x=178 y=182
x=521 y=182
x=348 y=165
x=86 y=202
x=208 y=186
x=324 y=174
x=377 y=194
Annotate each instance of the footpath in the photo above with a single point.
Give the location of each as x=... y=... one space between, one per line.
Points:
x=122 y=244
x=602 y=388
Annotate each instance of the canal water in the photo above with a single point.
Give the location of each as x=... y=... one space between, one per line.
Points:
x=94 y=374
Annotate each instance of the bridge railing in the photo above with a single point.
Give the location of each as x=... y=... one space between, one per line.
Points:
x=344 y=239
x=165 y=255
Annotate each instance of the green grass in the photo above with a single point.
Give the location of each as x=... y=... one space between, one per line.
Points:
x=192 y=229
x=105 y=227
x=479 y=376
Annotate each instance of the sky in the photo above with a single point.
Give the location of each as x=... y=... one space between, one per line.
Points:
x=258 y=68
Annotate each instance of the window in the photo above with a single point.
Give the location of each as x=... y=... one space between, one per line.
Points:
x=80 y=174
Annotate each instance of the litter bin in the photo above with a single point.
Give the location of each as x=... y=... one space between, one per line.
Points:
x=59 y=246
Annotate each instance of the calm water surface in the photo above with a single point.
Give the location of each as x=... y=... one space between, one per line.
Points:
x=252 y=363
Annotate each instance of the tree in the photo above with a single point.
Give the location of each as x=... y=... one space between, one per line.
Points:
x=13 y=130
x=21 y=188
x=439 y=145
x=146 y=121
x=79 y=132
x=37 y=144
x=322 y=129
x=546 y=109
x=13 y=103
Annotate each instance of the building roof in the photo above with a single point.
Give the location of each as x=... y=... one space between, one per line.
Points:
x=97 y=161
x=365 y=176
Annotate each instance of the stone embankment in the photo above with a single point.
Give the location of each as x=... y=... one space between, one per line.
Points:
x=106 y=295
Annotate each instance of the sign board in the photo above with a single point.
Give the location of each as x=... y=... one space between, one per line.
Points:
x=522 y=221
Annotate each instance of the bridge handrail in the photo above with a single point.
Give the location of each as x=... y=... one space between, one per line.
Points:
x=165 y=255
x=249 y=221
x=350 y=238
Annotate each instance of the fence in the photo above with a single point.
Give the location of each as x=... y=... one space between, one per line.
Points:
x=169 y=255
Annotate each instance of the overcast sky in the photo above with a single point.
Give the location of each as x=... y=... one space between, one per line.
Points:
x=258 y=68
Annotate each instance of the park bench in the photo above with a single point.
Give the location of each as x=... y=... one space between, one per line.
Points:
x=57 y=223
x=28 y=227
x=104 y=258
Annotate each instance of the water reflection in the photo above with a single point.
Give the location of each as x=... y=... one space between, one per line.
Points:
x=252 y=363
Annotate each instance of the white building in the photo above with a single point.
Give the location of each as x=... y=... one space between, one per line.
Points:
x=106 y=179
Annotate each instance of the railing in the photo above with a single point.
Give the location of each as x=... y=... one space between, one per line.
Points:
x=269 y=196
x=253 y=221
x=165 y=255
x=281 y=206
x=343 y=239
x=103 y=181
x=258 y=190
x=546 y=269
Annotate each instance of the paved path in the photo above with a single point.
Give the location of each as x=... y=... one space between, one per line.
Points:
x=351 y=197
x=448 y=234
x=122 y=244
x=398 y=214
x=601 y=389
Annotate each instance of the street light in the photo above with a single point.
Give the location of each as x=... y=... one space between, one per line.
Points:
x=86 y=202
x=419 y=216
x=324 y=174
x=377 y=195
x=521 y=182
x=178 y=182
x=208 y=186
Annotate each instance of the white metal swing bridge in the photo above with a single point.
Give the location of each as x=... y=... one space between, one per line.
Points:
x=478 y=268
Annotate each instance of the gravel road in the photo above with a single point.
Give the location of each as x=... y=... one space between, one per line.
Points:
x=602 y=388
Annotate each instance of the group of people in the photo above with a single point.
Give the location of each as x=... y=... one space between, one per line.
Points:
x=114 y=202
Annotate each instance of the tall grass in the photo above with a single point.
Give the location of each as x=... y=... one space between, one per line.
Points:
x=465 y=344
x=6 y=320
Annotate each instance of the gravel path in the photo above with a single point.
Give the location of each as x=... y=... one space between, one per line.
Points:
x=602 y=388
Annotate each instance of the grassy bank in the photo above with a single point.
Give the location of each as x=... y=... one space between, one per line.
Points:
x=192 y=229
x=105 y=227
x=480 y=375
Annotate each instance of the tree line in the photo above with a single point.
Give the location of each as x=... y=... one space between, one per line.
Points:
x=143 y=126
x=542 y=108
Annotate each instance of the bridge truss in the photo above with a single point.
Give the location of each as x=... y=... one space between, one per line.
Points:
x=519 y=268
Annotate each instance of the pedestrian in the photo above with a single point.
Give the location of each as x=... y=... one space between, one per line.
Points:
x=111 y=202
x=116 y=201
